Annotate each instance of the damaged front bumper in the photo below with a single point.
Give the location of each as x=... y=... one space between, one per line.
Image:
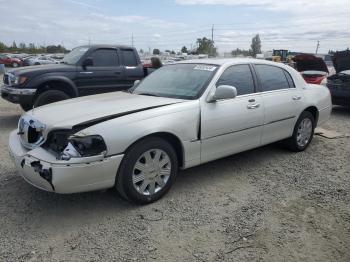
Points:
x=41 y=169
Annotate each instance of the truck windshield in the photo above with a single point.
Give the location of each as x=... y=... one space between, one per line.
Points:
x=184 y=81
x=73 y=57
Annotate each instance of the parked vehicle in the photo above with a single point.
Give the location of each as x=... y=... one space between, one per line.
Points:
x=339 y=83
x=39 y=60
x=182 y=115
x=8 y=60
x=313 y=69
x=84 y=71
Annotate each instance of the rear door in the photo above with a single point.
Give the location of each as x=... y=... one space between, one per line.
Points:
x=281 y=102
x=105 y=75
x=132 y=67
x=233 y=125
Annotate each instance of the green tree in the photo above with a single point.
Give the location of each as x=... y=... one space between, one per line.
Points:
x=241 y=52
x=156 y=51
x=184 y=49
x=206 y=46
x=141 y=51
x=3 y=47
x=256 y=45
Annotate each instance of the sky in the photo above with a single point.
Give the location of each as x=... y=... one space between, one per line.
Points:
x=295 y=25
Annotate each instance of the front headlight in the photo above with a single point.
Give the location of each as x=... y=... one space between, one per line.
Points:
x=19 y=80
x=84 y=146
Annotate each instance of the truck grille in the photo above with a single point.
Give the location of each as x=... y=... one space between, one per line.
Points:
x=6 y=79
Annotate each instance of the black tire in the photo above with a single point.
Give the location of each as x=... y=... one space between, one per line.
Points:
x=36 y=63
x=26 y=107
x=14 y=64
x=50 y=96
x=124 y=183
x=292 y=142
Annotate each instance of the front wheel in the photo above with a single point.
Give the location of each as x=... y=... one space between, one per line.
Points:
x=303 y=132
x=148 y=170
x=14 y=64
x=50 y=96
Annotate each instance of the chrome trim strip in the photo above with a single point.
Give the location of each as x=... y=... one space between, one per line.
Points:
x=17 y=91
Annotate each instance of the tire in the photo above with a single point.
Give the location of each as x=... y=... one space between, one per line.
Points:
x=301 y=140
x=50 y=96
x=36 y=63
x=161 y=174
x=26 y=107
x=14 y=64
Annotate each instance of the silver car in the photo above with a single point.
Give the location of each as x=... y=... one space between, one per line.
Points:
x=180 y=116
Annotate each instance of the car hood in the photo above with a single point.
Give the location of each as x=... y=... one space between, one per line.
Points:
x=41 y=69
x=341 y=61
x=90 y=110
x=309 y=63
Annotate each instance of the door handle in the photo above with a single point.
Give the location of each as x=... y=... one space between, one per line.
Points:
x=296 y=97
x=253 y=106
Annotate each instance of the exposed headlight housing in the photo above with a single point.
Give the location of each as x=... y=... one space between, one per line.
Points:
x=84 y=146
x=19 y=80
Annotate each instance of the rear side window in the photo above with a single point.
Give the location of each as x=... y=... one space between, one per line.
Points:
x=129 y=57
x=271 y=77
x=240 y=77
x=289 y=79
x=105 y=58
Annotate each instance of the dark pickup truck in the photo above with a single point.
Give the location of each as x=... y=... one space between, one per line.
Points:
x=86 y=70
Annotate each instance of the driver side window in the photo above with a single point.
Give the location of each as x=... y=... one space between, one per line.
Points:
x=240 y=77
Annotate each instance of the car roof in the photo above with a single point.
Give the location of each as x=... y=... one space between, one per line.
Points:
x=223 y=61
x=106 y=46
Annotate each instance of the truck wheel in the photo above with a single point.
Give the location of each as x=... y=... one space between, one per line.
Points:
x=14 y=64
x=303 y=132
x=50 y=96
x=147 y=171
x=26 y=107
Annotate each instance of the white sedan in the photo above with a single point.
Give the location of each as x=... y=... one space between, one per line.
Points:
x=182 y=115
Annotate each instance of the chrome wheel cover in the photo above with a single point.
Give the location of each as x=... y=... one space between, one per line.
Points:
x=151 y=172
x=304 y=132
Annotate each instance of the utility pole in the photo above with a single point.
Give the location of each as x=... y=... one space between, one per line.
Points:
x=318 y=45
x=212 y=40
x=89 y=41
x=132 y=39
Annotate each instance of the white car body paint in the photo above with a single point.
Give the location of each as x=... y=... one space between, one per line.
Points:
x=207 y=131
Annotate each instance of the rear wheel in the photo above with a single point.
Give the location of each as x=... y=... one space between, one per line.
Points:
x=148 y=170
x=15 y=64
x=303 y=132
x=50 y=96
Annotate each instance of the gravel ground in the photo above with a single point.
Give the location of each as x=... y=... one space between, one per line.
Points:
x=267 y=204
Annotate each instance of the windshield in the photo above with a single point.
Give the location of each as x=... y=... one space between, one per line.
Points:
x=73 y=57
x=185 y=81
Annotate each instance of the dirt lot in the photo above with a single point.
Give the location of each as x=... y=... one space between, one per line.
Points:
x=263 y=205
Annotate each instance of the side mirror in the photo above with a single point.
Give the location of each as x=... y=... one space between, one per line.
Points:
x=136 y=83
x=223 y=92
x=88 y=62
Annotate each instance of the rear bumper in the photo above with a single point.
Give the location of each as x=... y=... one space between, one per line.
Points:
x=40 y=169
x=17 y=95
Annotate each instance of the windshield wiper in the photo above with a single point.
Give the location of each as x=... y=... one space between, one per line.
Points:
x=146 y=94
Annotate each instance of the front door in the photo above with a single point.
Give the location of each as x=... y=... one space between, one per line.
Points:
x=233 y=125
x=103 y=76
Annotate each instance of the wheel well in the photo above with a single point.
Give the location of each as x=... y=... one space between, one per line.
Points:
x=56 y=85
x=313 y=110
x=173 y=140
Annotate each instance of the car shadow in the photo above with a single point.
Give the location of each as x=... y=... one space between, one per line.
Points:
x=108 y=203
x=341 y=111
